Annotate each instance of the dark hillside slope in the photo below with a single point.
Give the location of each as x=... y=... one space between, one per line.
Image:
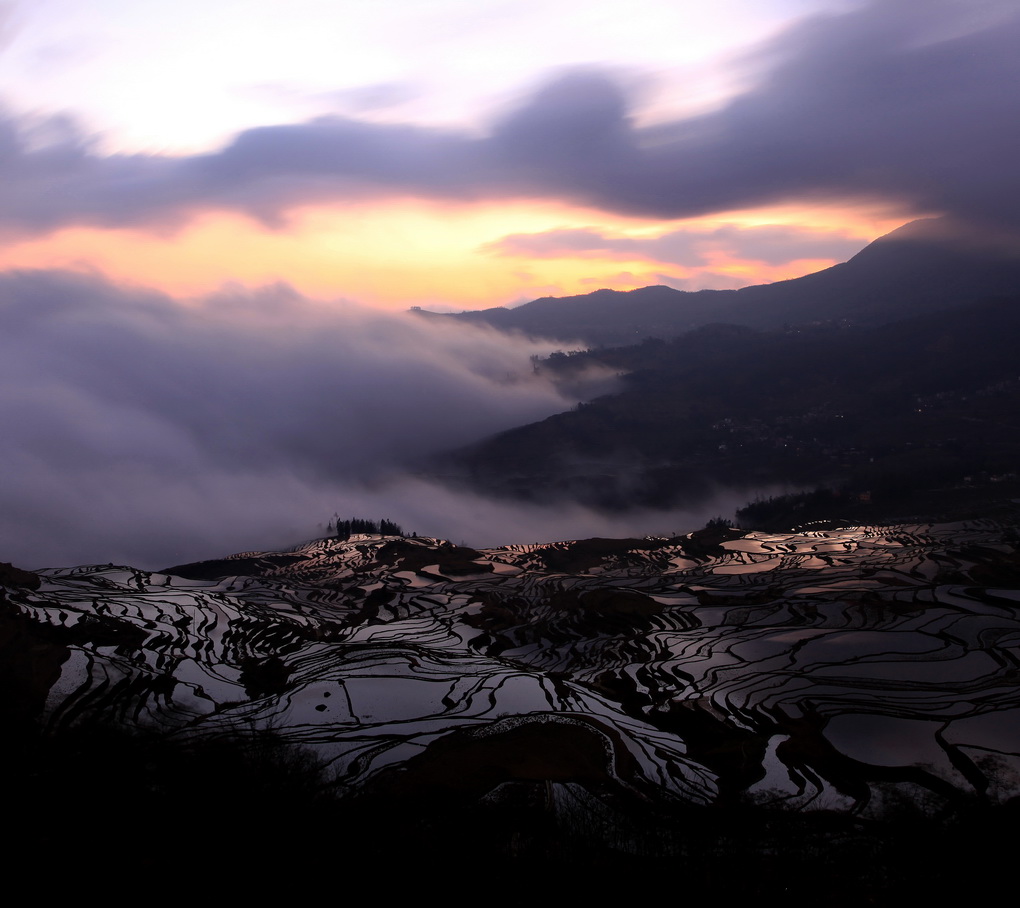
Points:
x=609 y=317
x=886 y=410
x=925 y=266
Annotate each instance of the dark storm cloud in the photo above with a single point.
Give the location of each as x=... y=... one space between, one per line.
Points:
x=772 y=244
x=911 y=101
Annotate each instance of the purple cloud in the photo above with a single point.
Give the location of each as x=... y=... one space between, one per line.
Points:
x=773 y=244
x=902 y=101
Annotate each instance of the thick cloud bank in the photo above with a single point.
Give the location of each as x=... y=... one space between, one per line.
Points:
x=134 y=425
x=906 y=100
x=772 y=244
x=140 y=430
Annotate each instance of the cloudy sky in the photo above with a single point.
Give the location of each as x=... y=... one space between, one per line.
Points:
x=208 y=208
x=465 y=153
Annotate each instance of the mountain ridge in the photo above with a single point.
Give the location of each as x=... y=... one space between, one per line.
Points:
x=924 y=266
x=888 y=411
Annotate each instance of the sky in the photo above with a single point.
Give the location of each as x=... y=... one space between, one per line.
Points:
x=195 y=196
x=467 y=154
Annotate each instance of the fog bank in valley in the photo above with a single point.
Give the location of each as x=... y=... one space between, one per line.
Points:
x=144 y=430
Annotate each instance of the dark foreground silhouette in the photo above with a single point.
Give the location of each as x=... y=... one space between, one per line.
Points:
x=101 y=805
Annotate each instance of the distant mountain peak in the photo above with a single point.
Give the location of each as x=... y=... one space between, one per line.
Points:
x=926 y=265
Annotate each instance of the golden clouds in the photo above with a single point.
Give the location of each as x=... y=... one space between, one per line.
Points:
x=408 y=252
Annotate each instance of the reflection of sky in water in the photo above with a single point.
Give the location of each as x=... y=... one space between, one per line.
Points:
x=395 y=699
x=751 y=567
x=880 y=645
x=964 y=668
x=376 y=700
x=773 y=645
x=889 y=741
x=998 y=731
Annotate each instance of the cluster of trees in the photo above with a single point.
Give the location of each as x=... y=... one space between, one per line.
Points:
x=356 y=525
x=781 y=512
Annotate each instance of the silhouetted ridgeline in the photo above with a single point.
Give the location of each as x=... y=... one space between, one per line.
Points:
x=919 y=269
x=344 y=529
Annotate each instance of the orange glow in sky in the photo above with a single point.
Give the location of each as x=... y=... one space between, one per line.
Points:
x=405 y=252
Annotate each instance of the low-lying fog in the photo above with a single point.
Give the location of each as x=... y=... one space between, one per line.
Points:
x=142 y=430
